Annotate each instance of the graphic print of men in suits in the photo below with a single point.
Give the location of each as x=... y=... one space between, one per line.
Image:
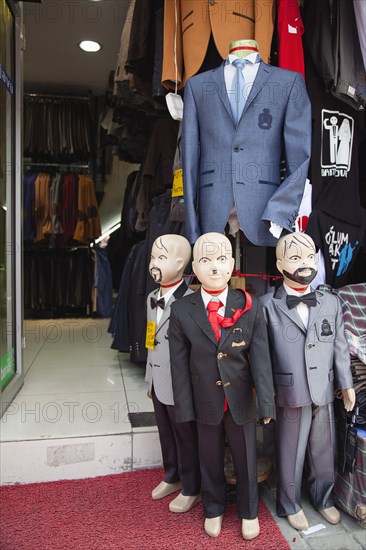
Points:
x=310 y=359
x=213 y=379
x=170 y=255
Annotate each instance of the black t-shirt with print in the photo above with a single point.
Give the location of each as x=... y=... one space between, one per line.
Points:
x=339 y=242
x=337 y=130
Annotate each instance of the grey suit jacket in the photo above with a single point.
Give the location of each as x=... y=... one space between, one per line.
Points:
x=205 y=370
x=158 y=360
x=308 y=364
x=225 y=165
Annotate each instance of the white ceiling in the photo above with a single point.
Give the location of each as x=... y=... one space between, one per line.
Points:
x=53 y=62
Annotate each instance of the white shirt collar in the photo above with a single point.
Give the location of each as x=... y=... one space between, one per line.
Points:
x=293 y=292
x=167 y=296
x=206 y=297
x=252 y=57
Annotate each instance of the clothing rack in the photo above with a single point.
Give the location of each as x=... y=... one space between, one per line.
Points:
x=67 y=248
x=57 y=165
x=58 y=282
x=57 y=96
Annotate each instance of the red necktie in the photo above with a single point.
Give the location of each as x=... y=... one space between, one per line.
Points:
x=213 y=317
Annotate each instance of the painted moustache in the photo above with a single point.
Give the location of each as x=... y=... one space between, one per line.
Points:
x=156 y=274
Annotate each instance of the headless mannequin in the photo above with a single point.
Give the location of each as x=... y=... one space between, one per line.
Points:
x=234 y=157
x=242 y=49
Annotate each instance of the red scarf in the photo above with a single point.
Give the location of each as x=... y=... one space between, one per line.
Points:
x=226 y=322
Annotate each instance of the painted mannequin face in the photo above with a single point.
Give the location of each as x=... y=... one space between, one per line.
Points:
x=169 y=257
x=213 y=261
x=296 y=259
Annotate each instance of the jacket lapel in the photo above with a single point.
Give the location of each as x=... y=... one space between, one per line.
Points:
x=181 y=290
x=315 y=311
x=166 y=313
x=218 y=77
x=292 y=314
x=152 y=314
x=263 y=74
x=199 y=315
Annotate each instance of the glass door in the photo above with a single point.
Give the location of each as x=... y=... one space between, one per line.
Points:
x=11 y=377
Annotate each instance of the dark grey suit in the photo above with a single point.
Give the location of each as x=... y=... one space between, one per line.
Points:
x=308 y=365
x=204 y=372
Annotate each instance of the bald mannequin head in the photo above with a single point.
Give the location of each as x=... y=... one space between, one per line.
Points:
x=213 y=261
x=170 y=255
x=296 y=259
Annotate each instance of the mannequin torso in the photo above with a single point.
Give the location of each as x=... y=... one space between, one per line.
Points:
x=243 y=48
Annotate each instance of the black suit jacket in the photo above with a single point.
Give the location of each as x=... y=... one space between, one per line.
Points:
x=203 y=370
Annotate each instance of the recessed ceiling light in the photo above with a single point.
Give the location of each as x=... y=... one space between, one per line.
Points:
x=89 y=46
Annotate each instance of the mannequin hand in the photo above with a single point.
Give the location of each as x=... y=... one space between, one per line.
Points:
x=349 y=399
x=266 y=420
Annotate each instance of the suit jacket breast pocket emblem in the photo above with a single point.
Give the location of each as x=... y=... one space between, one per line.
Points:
x=265 y=120
x=325 y=329
x=238 y=340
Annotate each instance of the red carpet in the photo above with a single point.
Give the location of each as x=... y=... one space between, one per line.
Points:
x=115 y=512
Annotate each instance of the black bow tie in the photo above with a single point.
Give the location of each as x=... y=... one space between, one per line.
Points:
x=157 y=303
x=308 y=299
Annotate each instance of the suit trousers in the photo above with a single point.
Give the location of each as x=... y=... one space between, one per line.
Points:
x=179 y=448
x=305 y=432
x=242 y=443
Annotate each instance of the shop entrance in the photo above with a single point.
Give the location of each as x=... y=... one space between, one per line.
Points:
x=10 y=185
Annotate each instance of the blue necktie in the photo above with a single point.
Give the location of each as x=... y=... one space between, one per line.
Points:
x=237 y=99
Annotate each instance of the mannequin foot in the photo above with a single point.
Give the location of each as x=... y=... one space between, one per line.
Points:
x=298 y=521
x=250 y=528
x=183 y=503
x=213 y=526
x=331 y=515
x=164 y=489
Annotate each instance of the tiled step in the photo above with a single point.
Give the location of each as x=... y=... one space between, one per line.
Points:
x=32 y=461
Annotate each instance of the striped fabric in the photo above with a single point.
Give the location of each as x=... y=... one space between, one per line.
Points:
x=350 y=488
x=353 y=299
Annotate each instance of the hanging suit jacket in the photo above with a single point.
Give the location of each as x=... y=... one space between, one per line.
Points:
x=227 y=20
x=158 y=360
x=42 y=206
x=225 y=165
x=309 y=364
x=29 y=221
x=88 y=224
x=332 y=40
x=204 y=370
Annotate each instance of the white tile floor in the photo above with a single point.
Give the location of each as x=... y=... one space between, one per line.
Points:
x=70 y=419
